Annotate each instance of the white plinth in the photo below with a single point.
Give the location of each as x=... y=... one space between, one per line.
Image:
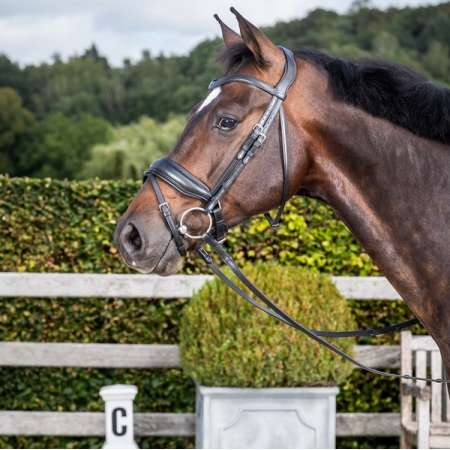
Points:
x=266 y=418
x=119 y=416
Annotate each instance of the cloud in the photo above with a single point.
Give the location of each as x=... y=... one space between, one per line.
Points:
x=34 y=30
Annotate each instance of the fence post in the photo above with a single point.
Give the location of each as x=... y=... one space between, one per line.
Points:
x=118 y=400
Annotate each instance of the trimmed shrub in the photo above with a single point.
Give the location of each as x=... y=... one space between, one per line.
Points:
x=224 y=341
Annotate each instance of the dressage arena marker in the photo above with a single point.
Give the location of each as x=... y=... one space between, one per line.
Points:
x=119 y=416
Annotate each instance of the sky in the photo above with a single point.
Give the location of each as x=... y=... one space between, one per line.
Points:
x=32 y=31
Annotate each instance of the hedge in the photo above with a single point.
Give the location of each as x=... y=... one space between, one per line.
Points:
x=66 y=226
x=61 y=226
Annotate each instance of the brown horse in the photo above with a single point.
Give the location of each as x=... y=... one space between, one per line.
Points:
x=371 y=139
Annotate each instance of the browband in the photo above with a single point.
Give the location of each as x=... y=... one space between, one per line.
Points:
x=279 y=91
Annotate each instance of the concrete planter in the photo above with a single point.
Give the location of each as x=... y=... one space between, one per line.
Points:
x=266 y=418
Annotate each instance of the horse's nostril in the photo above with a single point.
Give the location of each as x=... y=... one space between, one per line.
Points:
x=133 y=237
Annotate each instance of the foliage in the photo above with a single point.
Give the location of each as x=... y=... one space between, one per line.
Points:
x=310 y=236
x=401 y=35
x=90 y=320
x=61 y=226
x=161 y=86
x=224 y=342
x=132 y=321
x=83 y=84
x=15 y=124
x=61 y=145
x=132 y=148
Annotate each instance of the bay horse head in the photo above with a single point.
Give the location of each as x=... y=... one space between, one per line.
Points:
x=195 y=190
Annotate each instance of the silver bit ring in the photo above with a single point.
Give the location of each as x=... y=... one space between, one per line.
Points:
x=183 y=229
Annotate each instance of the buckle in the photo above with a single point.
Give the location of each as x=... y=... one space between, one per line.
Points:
x=205 y=255
x=211 y=84
x=259 y=130
x=164 y=208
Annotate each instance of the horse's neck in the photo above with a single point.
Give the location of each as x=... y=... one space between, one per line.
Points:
x=393 y=191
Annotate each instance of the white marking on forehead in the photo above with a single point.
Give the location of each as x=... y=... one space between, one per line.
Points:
x=211 y=96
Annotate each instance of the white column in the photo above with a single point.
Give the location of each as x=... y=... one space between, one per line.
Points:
x=118 y=400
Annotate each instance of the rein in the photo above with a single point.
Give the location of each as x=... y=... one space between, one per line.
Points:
x=189 y=185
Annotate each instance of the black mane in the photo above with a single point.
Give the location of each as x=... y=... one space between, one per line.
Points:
x=382 y=89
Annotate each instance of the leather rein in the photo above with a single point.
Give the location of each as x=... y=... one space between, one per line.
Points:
x=188 y=185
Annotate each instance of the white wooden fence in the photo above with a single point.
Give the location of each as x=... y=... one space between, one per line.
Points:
x=34 y=354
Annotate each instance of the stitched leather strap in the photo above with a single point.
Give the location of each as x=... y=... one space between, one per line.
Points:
x=220 y=227
x=187 y=184
x=255 y=140
x=179 y=178
x=279 y=91
x=247 y=80
x=275 y=221
x=166 y=214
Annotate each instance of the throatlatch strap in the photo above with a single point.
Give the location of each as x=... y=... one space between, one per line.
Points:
x=275 y=221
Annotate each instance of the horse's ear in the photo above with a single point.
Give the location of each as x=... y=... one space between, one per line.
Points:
x=264 y=50
x=230 y=37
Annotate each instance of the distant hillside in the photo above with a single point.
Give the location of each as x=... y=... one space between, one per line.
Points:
x=158 y=85
x=55 y=119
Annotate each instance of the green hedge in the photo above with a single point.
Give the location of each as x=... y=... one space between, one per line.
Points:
x=59 y=226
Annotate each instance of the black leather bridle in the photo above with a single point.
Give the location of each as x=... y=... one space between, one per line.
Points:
x=188 y=185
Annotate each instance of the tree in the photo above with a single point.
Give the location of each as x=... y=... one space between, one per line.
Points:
x=437 y=60
x=160 y=85
x=61 y=145
x=357 y=5
x=82 y=85
x=11 y=75
x=16 y=128
x=132 y=148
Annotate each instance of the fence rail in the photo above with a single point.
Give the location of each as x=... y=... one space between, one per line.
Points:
x=151 y=356
x=31 y=423
x=39 y=423
x=36 y=354
x=17 y=284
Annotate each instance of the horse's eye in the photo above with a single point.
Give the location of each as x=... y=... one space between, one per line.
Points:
x=226 y=123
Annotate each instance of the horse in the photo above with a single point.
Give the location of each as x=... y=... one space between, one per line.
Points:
x=369 y=138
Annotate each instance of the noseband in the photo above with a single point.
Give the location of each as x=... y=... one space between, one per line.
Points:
x=190 y=186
